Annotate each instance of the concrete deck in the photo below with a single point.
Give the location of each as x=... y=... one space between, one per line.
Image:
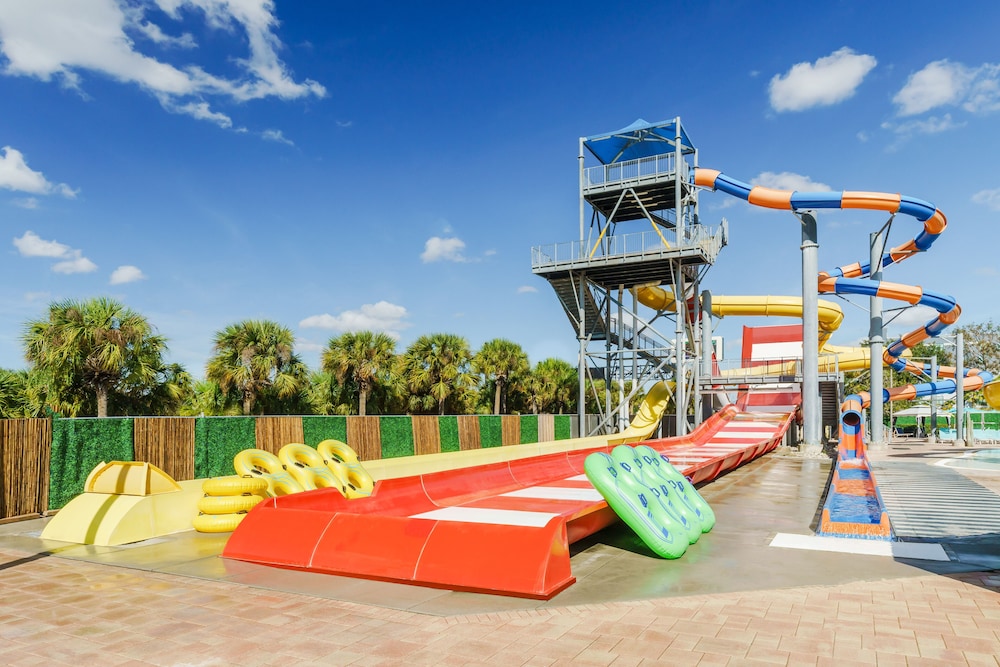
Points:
x=731 y=599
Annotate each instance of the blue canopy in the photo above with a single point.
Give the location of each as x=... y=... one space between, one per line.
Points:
x=638 y=140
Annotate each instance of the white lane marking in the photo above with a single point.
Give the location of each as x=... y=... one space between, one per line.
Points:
x=915 y=550
x=556 y=493
x=487 y=515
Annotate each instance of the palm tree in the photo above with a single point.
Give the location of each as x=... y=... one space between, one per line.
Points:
x=256 y=356
x=12 y=390
x=435 y=369
x=500 y=361
x=206 y=399
x=98 y=345
x=558 y=388
x=364 y=357
x=166 y=396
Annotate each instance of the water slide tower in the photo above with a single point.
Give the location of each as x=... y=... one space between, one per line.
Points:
x=639 y=225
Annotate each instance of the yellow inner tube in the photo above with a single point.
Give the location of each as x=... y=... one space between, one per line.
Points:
x=266 y=466
x=338 y=456
x=227 y=504
x=234 y=486
x=217 y=523
x=307 y=466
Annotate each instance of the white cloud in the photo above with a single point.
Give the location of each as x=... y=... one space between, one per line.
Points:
x=30 y=203
x=126 y=274
x=155 y=34
x=276 y=135
x=929 y=125
x=984 y=95
x=988 y=198
x=831 y=79
x=437 y=249
x=37 y=296
x=15 y=174
x=73 y=261
x=381 y=316
x=526 y=289
x=32 y=245
x=942 y=82
x=306 y=345
x=199 y=110
x=788 y=180
x=60 y=39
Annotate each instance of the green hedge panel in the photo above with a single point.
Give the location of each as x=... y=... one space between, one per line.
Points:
x=397 y=436
x=324 y=427
x=563 y=427
x=217 y=440
x=490 y=431
x=78 y=446
x=448 y=429
x=529 y=429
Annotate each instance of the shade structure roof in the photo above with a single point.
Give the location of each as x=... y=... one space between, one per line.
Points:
x=638 y=140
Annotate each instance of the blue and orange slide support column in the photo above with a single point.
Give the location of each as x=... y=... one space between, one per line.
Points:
x=853 y=279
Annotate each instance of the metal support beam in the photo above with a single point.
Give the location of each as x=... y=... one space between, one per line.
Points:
x=696 y=369
x=811 y=414
x=876 y=342
x=582 y=369
x=959 y=389
x=706 y=351
x=680 y=394
x=932 y=435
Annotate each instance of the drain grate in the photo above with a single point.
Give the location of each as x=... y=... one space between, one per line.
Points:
x=931 y=502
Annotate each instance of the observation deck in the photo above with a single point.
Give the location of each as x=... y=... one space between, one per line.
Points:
x=630 y=259
x=651 y=182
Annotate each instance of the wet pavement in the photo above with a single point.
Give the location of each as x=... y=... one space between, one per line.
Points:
x=731 y=599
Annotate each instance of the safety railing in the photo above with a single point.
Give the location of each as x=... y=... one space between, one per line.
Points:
x=707 y=239
x=652 y=167
x=640 y=342
x=777 y=369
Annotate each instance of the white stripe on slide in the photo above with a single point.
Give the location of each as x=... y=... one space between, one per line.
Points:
x=577 y=478
x=556 y=493
x=486 y=515
x=743 y=434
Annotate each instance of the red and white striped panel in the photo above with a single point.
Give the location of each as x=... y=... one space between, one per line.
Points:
x=733 y=437
x=535 y=506
x=774 y=400
x=529 y=506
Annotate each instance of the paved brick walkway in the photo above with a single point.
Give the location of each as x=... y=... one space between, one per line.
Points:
x=61 y=612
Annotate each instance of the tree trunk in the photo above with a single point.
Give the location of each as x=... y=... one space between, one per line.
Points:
x=102 y=401
x=496 y=399
x=247 y=404
x=362 y=402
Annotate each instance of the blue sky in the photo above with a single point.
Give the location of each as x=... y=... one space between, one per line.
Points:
x=337 y=166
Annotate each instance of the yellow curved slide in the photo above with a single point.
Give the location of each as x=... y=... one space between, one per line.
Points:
x=830 y=315
x=648 y=417
x=835 y=358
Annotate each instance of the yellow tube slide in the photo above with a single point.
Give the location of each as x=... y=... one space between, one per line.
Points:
x=834 y=357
